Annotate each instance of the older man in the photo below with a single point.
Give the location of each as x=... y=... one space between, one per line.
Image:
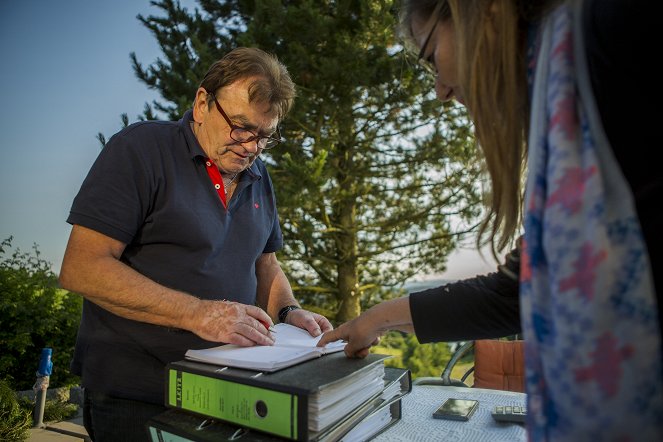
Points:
x=173 y=243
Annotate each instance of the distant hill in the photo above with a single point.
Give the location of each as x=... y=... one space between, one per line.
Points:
x=417 y=286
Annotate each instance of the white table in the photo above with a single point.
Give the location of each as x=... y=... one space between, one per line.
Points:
x=418 y=425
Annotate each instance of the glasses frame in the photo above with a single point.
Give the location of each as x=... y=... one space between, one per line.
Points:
x=426 y=63
x=441 y=10
x=269 y=144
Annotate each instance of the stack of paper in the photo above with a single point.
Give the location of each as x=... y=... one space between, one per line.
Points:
x=364 y=421
x=371 y=424
x=271 y=389
x=331 y=404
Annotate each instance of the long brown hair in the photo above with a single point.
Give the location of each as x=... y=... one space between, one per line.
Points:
x=490 y=48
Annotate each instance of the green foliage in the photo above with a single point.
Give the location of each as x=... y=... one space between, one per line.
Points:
x=372 y=170
x=425 y=359
x=393 y=343
x=16 y=414
x=421 y=359
x=374 y=183
x=15 y=421
x=54 y=410
x=34 y=313
x=59 y=411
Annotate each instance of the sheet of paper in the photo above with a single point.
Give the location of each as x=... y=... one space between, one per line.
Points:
x=286 y=334
x=266 y=358
x=292 y=345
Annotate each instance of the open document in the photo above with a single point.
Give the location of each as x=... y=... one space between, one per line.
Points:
x=292 y=345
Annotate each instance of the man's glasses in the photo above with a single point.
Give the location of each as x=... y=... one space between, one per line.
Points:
x=243 y=135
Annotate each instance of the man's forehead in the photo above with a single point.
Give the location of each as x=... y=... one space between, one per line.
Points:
x=252 y=115
x=268 y=121
x=235 y=97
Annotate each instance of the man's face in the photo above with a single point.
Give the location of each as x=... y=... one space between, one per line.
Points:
x=213 y=131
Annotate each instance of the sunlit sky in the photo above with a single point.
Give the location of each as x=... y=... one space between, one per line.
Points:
x=65 y=75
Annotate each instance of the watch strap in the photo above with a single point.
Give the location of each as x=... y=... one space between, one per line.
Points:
x=283 y=313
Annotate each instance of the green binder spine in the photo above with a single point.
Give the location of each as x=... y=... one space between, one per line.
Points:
x=263 y=409
x=275 y=403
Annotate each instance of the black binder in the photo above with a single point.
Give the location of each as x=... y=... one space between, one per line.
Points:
x=177 y=425
x=278 y=402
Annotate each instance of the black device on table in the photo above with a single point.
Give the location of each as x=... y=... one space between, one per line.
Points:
x=510 y=413
x=456 y=409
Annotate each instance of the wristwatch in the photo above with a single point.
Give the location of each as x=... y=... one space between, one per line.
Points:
x=283 y=313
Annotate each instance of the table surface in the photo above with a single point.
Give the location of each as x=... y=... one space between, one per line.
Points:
x=418 y=425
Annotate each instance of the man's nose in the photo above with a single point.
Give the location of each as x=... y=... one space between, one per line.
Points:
x=251 y=147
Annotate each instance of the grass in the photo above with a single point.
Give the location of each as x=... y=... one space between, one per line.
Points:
x=55 y=411
x=16 y=414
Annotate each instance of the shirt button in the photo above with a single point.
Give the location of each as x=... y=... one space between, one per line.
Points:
x=217 y=186
x=208 y=163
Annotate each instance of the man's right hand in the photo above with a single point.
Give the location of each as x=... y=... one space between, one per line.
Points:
x=232 y=323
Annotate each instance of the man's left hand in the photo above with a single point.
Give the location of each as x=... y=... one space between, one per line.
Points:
x=314 y=323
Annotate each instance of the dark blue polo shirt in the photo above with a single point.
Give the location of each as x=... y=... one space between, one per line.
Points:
x=149 y=188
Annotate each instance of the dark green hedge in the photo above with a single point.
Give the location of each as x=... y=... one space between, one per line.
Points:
x=34 y=313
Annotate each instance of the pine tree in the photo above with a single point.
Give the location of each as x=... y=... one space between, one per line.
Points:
x=376 y=179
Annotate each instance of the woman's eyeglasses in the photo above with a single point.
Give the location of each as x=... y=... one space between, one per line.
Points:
x=428 y=63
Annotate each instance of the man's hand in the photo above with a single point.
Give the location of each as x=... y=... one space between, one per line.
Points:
x=314 y=323
x=232 y=323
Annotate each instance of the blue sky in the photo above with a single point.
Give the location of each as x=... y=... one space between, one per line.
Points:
x=65 y=75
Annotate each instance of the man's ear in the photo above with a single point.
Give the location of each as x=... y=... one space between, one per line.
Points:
x=200 y=106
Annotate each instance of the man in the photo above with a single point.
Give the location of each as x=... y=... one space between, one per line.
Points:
x=173 y=243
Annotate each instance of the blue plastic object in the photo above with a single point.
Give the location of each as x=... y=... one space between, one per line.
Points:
x=45 y=364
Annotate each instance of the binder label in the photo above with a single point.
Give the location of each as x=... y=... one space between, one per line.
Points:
x=254 y=407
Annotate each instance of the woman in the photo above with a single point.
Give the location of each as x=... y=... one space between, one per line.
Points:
x=563 y=88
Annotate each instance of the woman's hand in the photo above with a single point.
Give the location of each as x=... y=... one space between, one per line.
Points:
x=365 y=331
